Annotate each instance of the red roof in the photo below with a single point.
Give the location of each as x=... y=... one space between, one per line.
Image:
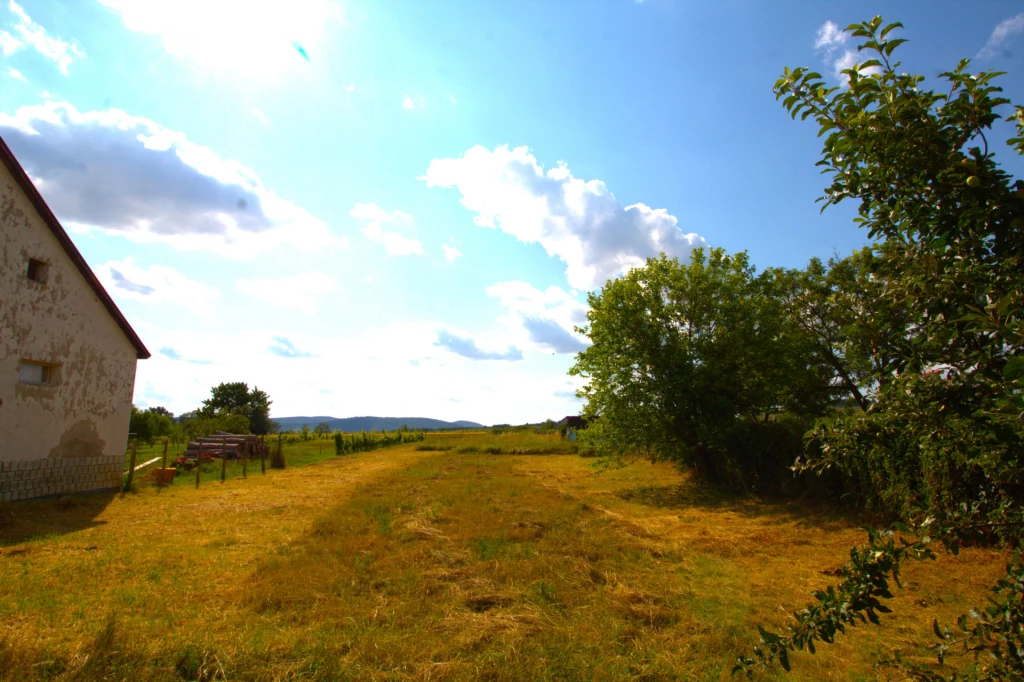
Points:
x=21 y=177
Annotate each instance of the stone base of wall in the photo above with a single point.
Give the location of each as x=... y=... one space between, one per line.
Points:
x=42 y=477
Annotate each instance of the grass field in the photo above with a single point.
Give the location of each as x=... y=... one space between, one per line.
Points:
x=434 y=564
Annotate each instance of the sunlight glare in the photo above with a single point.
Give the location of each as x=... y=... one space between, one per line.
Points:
x=252 y=38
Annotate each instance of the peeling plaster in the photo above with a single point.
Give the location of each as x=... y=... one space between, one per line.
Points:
x=85 y=412
x=81 y=440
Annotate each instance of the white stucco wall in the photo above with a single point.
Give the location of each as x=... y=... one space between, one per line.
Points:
x=85 y=414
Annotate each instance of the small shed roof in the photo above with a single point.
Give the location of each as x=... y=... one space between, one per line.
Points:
x=27 y=186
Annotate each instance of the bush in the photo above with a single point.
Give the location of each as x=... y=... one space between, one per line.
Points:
x=930 y=441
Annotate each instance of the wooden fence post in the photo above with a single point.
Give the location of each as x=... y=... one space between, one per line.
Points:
x=245 y=463
x=223 y=466
x=131 y=468
x=167 y=442
x=263 y=451
x=199 y=465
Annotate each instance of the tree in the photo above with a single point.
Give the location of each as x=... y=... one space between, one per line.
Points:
x=259 y=412
x=940 y=446
x=322 y=429
x=159 y=409
x=689 y=362
x=236 y=398
x=205 y=426
x=149 y=425
x=856 y=326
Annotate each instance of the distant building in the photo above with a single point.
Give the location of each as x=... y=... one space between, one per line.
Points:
x=67 y=355
x=570 y=425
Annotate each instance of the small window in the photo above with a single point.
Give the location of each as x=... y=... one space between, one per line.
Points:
x=36 y=373
x=37 y=270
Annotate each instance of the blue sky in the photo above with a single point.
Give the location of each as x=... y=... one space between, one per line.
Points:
x=397 y=208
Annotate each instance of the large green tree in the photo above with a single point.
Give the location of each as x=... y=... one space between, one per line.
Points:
x=150 y=424
x=689 y=363
x=938 y=341
x=236 y=398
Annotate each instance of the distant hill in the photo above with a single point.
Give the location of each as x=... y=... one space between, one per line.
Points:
x=351 y=424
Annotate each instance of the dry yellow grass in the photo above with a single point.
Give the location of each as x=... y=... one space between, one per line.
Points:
x=434 y=565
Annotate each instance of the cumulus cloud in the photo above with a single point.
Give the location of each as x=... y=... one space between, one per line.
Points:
x=155 y=285
x=467 y=348
x=411 y=102
x=580 y=222
x=551 y=334
x=295 y=292
x=831 y=42
x=122 y=282
x=544 y=320
x=450 y=253
x=239 y=37
x=27 y=33
x=1001 y=34
x=282 y=347
x=17 y=75
x=830 y=36
x=374 y=218
x=125 y=174
x=401 y=353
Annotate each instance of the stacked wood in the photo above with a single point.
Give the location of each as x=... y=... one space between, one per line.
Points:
x=229 y=445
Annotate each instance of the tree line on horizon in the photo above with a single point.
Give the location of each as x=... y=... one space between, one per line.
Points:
x=231 y=407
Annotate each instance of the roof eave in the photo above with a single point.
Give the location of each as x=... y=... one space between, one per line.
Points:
x=30 y=190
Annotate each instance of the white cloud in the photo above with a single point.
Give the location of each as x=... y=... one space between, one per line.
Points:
x=416 y=101
x=284 y=348
x=374 y=217
x=542 y=320
x=434 y=381
x=8 y=44
x=450 y=253
x=155 y=285
x=17 y=75
x=579 y=221
x=351 y=88
x=261 y=116
x=127 y=175
x=31 y=34
x=240 y=37
x=830 y=42
x=830 y=36
x=295 y=292
x=996 y=44
x=467 y=348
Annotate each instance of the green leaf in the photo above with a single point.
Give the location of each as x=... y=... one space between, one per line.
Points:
x=1014 y=369
x=892 y=45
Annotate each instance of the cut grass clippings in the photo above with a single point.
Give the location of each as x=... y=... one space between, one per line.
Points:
x=405 y=564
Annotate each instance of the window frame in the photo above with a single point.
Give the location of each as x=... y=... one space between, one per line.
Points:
x=50 y=374
x=37 y=270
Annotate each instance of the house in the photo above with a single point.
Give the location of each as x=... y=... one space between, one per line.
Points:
x=570 y=425
x=67 y=355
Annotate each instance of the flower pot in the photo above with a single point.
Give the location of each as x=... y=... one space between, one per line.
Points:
x=164 y=476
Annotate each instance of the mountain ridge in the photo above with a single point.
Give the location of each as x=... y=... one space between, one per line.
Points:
x=368 y=423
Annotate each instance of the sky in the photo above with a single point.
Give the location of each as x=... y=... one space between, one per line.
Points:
x=399 y=208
